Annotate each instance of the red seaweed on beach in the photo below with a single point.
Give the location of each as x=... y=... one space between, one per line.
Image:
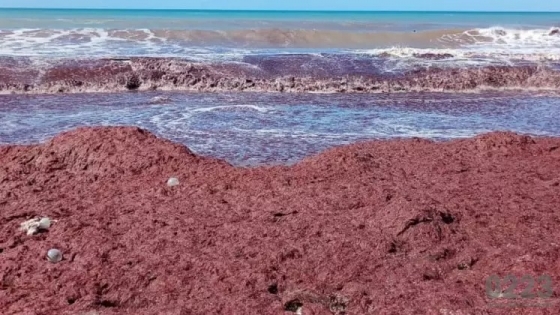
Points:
x=382 y=227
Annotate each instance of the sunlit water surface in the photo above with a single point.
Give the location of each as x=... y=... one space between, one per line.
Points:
x=256 y=128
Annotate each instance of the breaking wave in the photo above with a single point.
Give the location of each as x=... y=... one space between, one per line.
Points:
x=92 y=42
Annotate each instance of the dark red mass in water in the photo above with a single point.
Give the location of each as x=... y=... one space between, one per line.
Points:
x=285 y=74
x=383 y=227
x=433 y=56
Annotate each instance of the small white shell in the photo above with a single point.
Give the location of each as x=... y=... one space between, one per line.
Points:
x=44 y=223
x=30 y=226
x=32 y=230
x=54 y=255
x=24 y=226
x=173 y=181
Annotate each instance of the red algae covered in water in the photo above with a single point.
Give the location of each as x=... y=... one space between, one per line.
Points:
x=381 y=227
x=296 y=74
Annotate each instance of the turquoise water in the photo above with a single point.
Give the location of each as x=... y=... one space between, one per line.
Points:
x=70 y=18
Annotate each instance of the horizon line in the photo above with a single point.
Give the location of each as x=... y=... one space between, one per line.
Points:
x=280 y=10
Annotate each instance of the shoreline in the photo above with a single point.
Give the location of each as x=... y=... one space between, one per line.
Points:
x=269 y=163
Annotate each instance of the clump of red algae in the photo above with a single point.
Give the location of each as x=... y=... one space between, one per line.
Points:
x=381 y=227
x=20 y=75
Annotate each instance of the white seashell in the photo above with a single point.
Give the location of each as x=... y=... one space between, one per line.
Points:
x=30 y=226
x=54 y=255
x=44 y=223
x=33 y=226
x=24 y=226
x=32 y=230
x=173 y=181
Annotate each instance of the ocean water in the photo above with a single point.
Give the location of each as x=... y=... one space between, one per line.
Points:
x=263 y=128
x=231 y=34
x=514 y=85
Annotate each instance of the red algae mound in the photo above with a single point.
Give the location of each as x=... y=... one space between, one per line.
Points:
x=382 y=227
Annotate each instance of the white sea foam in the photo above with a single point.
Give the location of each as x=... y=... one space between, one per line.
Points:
x=485 y=45
x=514 y=38
x=98 y=42
x=233 y=107
x=493 y=42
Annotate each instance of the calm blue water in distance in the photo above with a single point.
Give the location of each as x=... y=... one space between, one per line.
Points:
x=71 y=18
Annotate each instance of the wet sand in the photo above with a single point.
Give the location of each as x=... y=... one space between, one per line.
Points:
x=384 y=227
